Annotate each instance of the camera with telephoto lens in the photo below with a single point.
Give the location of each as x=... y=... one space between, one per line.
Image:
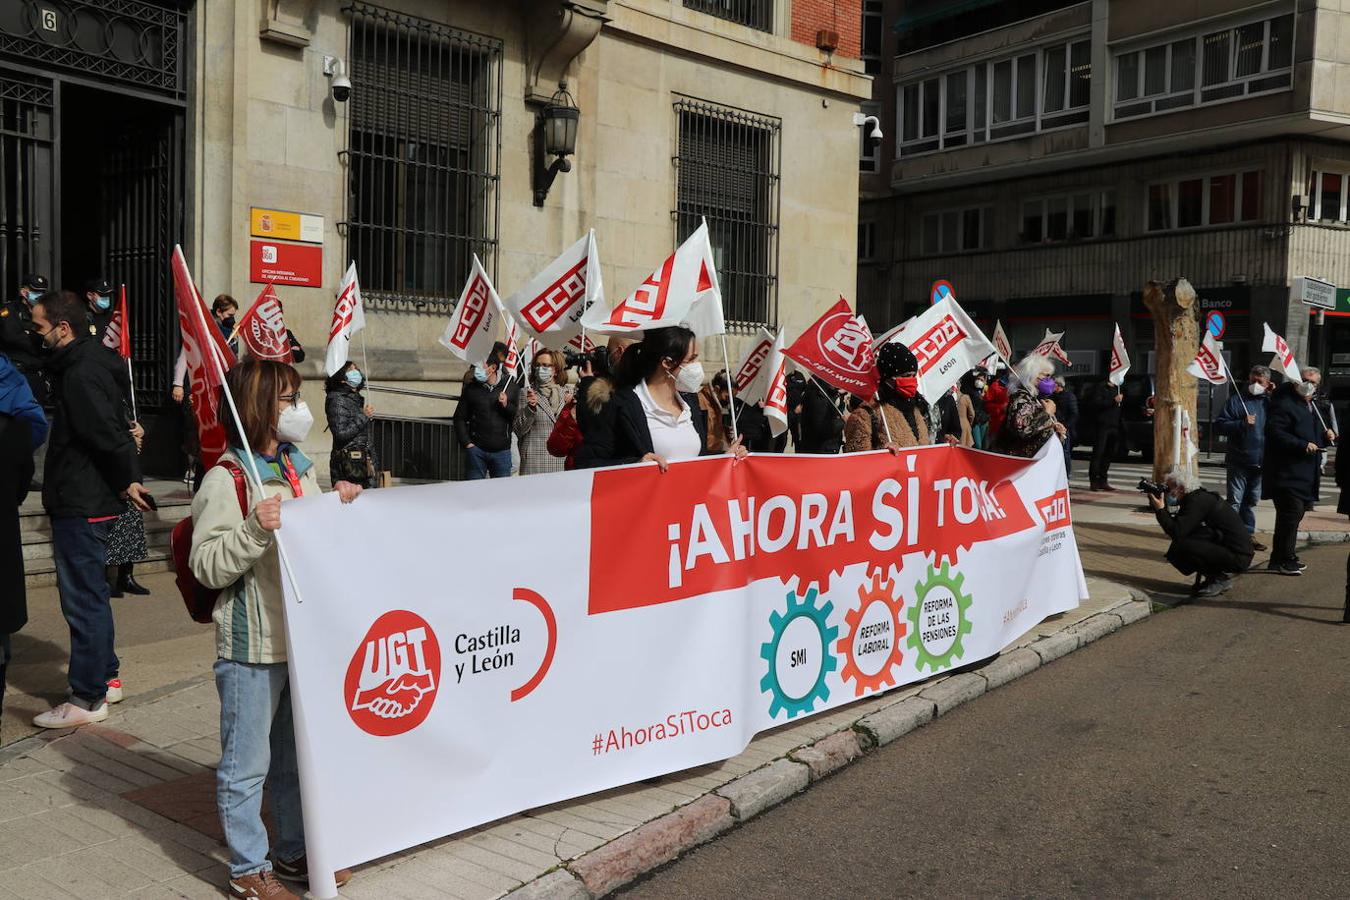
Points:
x=1152 y=488
x=598 y=357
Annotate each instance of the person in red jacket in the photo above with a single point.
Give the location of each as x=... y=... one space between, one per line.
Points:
x=996 y=404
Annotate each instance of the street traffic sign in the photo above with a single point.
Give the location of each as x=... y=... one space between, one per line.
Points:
x=941 y=290
x=1216 y=324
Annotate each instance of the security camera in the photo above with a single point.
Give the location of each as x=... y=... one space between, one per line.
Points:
x=341 y=86
x=864 y=121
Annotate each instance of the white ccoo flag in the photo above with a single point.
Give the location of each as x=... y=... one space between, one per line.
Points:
x=775 y=394
x=1208 y=363
x=752 y=372
x=348 y=318
x=473 y=328
x=1002 y=346
x=1049 y=346
x=1120 y=360
x=947 y=343
x=551 y=305
x=683 y=291
x=1284 y=361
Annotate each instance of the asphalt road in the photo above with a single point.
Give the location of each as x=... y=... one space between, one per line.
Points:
x=1202 y=753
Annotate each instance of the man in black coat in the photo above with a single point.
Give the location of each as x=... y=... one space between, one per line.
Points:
x=822 y=420
x=1294 y=440
x=751 y=424
x=1209 y=540
x=16 y=341
x=483 y=418
x=1102 y=406
x=92 y=468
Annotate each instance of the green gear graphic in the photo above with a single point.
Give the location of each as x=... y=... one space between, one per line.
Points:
x=779 y=621
x=939 y=578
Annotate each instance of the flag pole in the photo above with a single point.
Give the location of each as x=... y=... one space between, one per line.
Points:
x=1233 y=381
x=833 y=404
x=131 y=377
x=731 y=388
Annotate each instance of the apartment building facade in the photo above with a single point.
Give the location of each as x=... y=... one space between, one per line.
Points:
x=1049 y=158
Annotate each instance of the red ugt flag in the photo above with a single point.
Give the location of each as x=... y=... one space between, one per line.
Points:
x=118 y=335
x=838 y=348
x=263 y=328
x=208 y=358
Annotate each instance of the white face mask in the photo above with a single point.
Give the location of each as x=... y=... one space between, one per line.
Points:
x=1256 y=389
x=544 y=374
x=1306 y=389
x=294 y=424
x=690 y=379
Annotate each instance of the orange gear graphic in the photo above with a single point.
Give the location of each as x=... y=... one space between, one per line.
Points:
x=880 y=590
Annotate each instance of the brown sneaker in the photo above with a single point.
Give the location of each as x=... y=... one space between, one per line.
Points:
x=260 y=885
x=297 y=871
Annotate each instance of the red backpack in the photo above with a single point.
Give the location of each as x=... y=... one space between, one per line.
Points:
x=199 y=599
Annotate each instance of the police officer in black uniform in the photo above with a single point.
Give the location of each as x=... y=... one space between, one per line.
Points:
x=98 y=294
x=16 y=339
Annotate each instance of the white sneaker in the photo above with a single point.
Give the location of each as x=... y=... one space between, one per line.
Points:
x=114 y=691
x=68 y=715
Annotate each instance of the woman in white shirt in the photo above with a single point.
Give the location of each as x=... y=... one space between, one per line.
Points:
x=657 y=417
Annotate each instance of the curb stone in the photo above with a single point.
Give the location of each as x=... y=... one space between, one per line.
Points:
x=829 y=753
x=756 y=791
x=1010 y=666
x=650 y=846
x=952 y=692
x=1056 y=645
x=623 y=859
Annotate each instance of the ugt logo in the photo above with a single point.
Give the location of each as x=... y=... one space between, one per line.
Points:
x=848 y=345
x=394 y=674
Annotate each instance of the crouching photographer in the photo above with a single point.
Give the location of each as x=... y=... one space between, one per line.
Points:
x=1209 y=540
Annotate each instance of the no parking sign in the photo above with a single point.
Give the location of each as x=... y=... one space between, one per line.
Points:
x=1216 y=324
x=940 y=290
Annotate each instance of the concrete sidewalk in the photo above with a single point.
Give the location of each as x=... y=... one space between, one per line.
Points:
x=127 y=808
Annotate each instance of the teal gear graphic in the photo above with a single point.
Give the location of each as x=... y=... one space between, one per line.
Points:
x=952 y=582
x=798 y=607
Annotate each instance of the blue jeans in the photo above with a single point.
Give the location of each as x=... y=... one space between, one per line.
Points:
x=1244 y=492
x=257 y=744
x=81 y=549
x=486 y=464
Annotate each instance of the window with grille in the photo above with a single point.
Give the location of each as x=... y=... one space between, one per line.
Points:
x=1211 y=67
x=757 y=14
x=727 y=173
x=423 y=156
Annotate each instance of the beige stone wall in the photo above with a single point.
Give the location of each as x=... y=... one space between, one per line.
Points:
x=265 y=132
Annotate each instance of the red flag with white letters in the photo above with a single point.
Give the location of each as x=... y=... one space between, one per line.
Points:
x=208 y=359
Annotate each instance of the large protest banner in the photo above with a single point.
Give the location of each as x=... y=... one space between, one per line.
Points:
x=663 y=622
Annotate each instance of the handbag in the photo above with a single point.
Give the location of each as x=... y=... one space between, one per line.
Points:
x=353 y=464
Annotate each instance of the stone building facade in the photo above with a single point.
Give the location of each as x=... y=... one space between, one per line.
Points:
x=740 y=111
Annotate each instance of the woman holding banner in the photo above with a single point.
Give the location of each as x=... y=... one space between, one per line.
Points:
x=900 y=417
x=657 y=417
x=237 y=554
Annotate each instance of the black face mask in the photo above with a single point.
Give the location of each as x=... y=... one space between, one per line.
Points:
x=227 y=322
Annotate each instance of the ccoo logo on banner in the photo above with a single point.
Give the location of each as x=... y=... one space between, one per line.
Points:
x=451 y=685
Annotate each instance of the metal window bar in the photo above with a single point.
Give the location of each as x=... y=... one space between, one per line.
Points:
x=757 y=14
x=26 y=144
x=726 y=171
x=421 y=449
x=423 y=157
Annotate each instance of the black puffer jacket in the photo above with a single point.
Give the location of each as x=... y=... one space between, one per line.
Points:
x=822 y=423
x=348 y=422
x=482 y=420
x=91 y=457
